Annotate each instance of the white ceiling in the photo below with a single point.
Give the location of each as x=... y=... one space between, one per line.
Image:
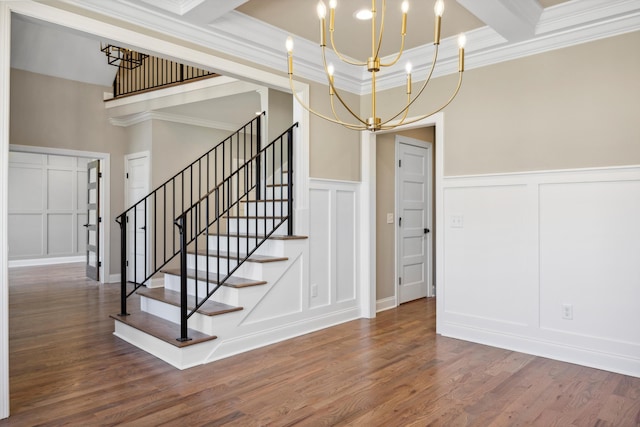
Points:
x=255 y=30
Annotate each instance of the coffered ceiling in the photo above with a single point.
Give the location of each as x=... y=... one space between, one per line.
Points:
x=255 y=30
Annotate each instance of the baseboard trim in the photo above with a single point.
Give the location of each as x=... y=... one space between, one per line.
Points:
x=114 y=278
x=552 y=350
x=386 y=304
x=46 y=261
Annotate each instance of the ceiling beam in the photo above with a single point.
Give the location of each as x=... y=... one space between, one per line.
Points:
x=209 y=10
x=514 y=20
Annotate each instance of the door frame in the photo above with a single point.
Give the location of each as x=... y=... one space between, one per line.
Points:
x=105 y=196
x=429 y=197
x=127 y=201
x=367 y=286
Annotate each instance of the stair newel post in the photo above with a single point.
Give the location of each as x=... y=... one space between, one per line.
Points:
x=180 y=223
x=258 y=172
x=122 y=221
x=290 y=181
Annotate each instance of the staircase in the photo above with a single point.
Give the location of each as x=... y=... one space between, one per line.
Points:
x=237 y=257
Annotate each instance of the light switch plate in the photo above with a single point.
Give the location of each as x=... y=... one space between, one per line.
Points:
x=456 y=221
x=389 y=218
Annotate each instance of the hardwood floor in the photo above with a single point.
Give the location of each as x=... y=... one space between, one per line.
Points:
x=68 y=369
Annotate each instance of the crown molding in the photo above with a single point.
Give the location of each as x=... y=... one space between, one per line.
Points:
x=244 y=37
x=134 y=119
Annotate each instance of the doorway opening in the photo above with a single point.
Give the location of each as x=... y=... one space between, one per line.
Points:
x=413 y=208
x=68 y=216
x=381 y=294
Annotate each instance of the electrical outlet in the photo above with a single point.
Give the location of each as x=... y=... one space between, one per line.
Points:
x=567 y=311
x=456 y=221
x=314 y=290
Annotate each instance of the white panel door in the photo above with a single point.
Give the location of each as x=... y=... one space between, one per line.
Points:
x=414 y=219
x=137 y=187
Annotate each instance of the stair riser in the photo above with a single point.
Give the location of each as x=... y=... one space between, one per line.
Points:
x=238 y=297
x=224 y=294
x=199 y=322
x=275 y=208
x=248 y=270
x=239 y=244
x=244 y=226
x=277 y=192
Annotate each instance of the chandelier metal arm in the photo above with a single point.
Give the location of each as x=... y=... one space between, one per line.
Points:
x=337 y=94
x=315 y=113
x=373 y=28
x=424 y=116
x=341 y=56
x=397 y=58
x=422 y=88
x=348 y=125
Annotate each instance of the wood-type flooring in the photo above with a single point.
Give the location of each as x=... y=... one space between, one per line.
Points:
x=67 y=368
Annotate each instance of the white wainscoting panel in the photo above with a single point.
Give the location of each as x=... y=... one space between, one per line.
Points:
x=47 y=206
x=333 y=242
x=546 y=263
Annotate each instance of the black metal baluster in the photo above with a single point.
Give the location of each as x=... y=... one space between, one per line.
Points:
x=183 y=280
x=123 y=264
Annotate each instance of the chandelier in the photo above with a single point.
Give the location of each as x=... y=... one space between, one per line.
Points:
x=122 y=57
x=373 y=65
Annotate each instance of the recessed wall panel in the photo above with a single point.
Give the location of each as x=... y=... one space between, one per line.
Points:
x=26 y=188
x=345 y=245
x=60 y=189
x=25 y=234
x=590 y=258
x=60 y=234
x=486 y=259
x=320 y=247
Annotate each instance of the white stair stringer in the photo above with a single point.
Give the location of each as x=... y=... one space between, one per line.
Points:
x=272 y=312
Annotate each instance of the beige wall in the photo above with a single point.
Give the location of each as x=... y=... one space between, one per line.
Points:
x=279 y=113
x=570 y=108
x=334 y=150
x=57 y=113
x=176 y=145
x=385 y=203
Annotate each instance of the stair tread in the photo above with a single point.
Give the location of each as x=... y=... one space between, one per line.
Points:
x=253 y=258
x=209 y=308
x=278 y=185
x=231 y=282
x=258 y=236
x=162 y=329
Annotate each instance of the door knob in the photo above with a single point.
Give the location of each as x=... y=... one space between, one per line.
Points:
x=426 y=230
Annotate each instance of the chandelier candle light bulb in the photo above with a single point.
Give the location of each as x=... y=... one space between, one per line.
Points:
x=373 y=64
x=289 y=46
x=462 y=40
x=438 y=9
x=405 y=9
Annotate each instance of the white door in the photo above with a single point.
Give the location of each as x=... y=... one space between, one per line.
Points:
x=136 y=188
x=413 y=207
